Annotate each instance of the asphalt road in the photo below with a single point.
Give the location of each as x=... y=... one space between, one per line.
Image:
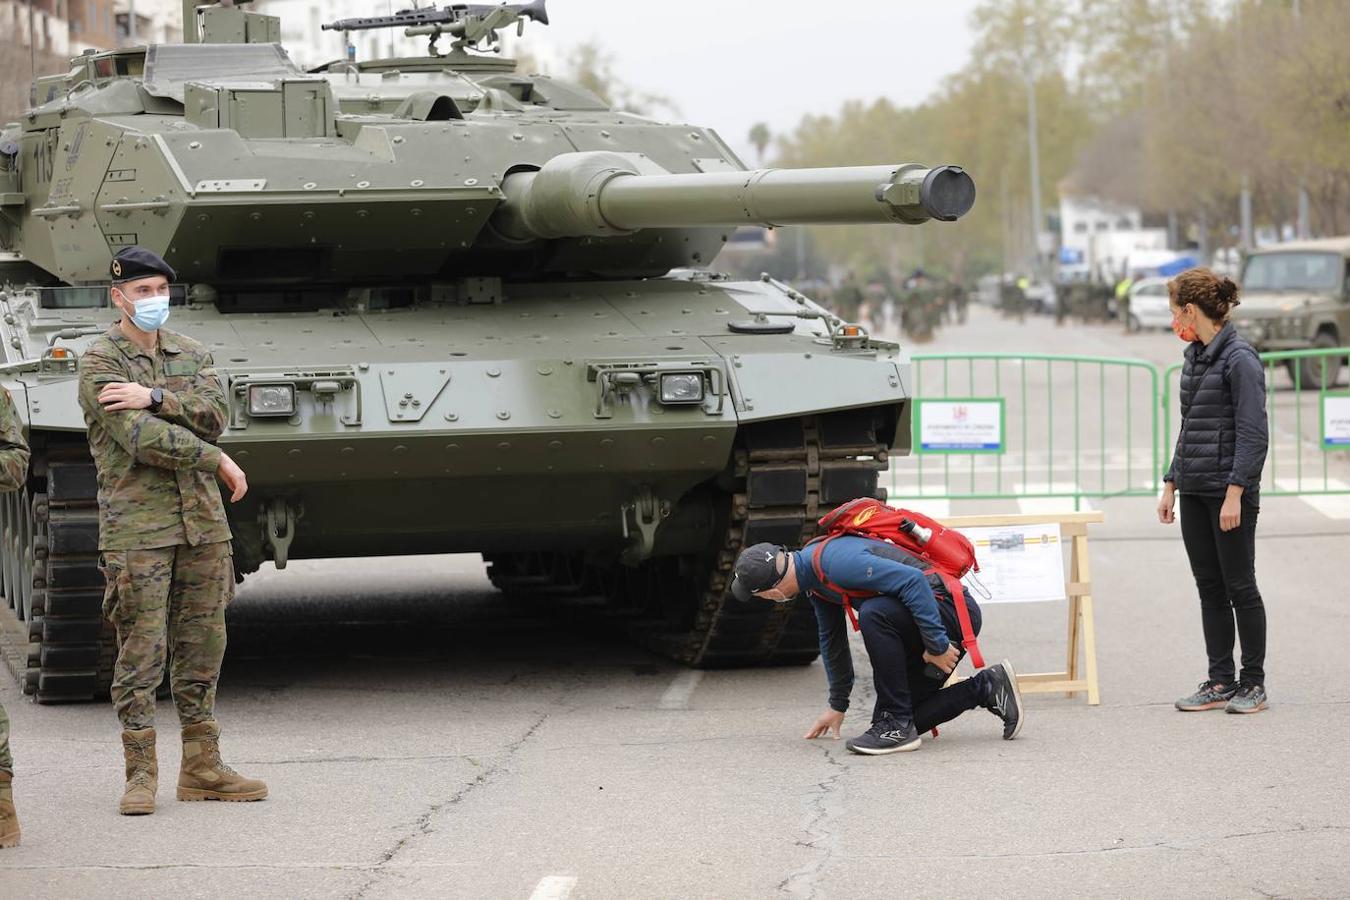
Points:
x=423 y=737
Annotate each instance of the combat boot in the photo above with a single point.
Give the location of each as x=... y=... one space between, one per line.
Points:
x=142 y=773
x=203 y=776
x=9 y=820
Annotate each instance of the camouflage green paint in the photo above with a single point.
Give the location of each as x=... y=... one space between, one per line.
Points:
x=6 y=759
x=13 y=474
x=162 y=600
x=13 y=448
x=156 y=472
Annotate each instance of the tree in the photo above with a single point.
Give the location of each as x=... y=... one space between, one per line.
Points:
x=592 y=67
x=760 y=137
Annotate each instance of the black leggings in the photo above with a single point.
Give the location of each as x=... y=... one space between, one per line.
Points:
x=1224 y=565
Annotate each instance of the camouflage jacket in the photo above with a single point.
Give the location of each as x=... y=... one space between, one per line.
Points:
x=156 y=471
x=13 y=448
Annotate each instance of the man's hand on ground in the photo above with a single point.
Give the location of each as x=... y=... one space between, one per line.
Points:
x=120 y=395
x=830 y=720
x=944 y=661
x=233 y=476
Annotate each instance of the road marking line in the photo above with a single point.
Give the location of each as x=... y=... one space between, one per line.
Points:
x=1041 y=506
x=680 y=690
x=554 y=887
x=1332 y=506
x=937 y=509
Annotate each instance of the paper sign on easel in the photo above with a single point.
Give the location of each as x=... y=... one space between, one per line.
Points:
x=1021 y=560
x=1018 y=563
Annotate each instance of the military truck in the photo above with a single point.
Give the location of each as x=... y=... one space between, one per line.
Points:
x=456 y=308
x=1296 y=296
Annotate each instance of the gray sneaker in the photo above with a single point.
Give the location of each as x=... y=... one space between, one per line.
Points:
x=1004 y=698
x=887 y=735
x=1210 y=695
x=1250 y=698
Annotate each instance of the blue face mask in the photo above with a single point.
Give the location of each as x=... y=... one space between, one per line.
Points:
x=151 y=313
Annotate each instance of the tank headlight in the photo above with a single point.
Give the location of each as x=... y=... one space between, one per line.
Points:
x=682 y=387
x=271 y=399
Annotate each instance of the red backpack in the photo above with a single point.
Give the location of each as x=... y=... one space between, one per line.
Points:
x=948 y=554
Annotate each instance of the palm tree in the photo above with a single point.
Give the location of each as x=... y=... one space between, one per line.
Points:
x=760 y=137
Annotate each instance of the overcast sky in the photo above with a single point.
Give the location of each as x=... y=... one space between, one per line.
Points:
x=730 y=63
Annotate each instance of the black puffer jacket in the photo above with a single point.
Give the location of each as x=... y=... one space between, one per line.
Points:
x=1223 y=418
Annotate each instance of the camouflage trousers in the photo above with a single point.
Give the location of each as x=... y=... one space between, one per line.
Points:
x=6 y=761
x=168 y=602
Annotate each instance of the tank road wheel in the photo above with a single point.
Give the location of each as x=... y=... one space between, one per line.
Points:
x=56 y=639
x=786 y=474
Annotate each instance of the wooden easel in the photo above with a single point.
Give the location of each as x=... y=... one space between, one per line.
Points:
x=1079 y=591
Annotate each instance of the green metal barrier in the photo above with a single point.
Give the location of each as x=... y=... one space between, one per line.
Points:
x=1096 y=427
x=1298 y=461
x=1073 y=427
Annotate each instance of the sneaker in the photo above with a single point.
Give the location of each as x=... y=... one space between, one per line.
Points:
x=1250 y=698
x=887 y=735
x=1209 y=695
x=1004 y=697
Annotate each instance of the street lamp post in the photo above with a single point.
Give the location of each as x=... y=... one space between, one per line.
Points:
x=1304 y=212
x=1034 y=150
x=1033 y=146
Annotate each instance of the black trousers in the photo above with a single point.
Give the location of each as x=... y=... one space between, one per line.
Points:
x=895 y=647
x=1224 y=565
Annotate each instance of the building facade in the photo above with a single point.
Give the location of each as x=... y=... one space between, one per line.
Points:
x=49 y=26
x=149 y=22
x=1098 y=237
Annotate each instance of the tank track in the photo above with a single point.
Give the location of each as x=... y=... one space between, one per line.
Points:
x=785 y=475
x=55 y=638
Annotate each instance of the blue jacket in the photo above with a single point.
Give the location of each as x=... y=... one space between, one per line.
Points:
x=866 y=565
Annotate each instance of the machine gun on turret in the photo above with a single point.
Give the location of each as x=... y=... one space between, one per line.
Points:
x=474 y=26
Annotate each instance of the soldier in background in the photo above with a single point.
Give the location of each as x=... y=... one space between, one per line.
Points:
x=13 y=476
x=153 y=405
x=1122 y=292
x=848 y=300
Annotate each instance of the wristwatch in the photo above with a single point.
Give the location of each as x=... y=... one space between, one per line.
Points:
x=156 y=399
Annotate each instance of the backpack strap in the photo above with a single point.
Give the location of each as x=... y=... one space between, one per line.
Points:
x=968 y=641
x=819 y=569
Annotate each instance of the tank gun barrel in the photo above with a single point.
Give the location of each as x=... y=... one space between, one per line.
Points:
x=600 y=193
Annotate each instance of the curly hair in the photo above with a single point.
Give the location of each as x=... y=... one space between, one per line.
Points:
x=1214 y=295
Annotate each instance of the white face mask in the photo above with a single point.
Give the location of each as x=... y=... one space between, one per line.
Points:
x=151 y=312
x=774 y=594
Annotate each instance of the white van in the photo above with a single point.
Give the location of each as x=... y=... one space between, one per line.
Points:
x=1149 y=307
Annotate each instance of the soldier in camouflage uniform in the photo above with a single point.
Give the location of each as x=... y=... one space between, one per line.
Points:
x=13 y=475
x=153 y=405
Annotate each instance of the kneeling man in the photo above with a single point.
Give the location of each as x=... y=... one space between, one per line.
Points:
x=910 y=637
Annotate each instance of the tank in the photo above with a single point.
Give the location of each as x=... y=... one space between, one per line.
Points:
x=456 y=308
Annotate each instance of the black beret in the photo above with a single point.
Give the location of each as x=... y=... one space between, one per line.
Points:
x=134 y=262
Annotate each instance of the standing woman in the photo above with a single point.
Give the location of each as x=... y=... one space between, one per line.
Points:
x=1217 y=470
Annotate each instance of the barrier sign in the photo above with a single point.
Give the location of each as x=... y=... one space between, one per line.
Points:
x=959 y=425
x=1018 y=563
x=1336 y=421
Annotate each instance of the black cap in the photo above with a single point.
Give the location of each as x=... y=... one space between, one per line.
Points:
x=135 y=262
x=757 y=569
